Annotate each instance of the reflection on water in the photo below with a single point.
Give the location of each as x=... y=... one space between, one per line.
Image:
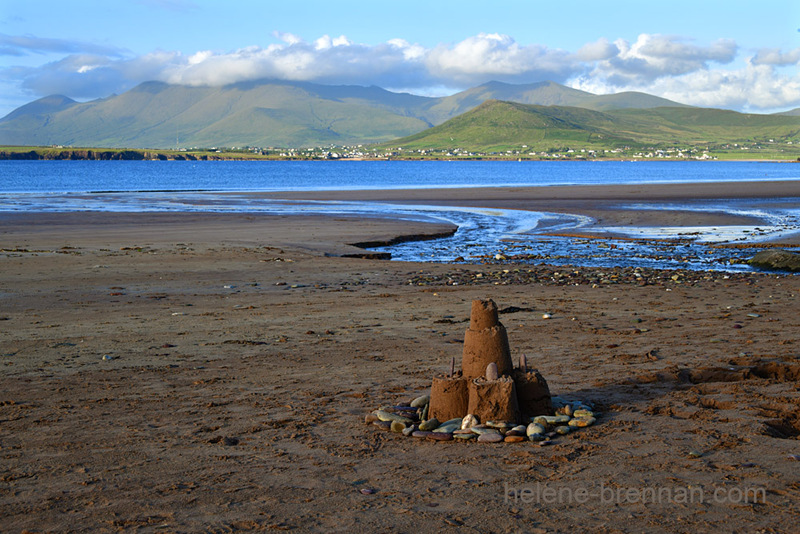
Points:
x=485 y=234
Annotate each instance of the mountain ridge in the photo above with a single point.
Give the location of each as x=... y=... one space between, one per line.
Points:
x=269 y=113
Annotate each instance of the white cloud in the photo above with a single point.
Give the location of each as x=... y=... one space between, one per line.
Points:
x=715 y=74
x=774 y=56
x=494 y=56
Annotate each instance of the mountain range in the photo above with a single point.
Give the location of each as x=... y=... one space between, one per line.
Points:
x=271 y=113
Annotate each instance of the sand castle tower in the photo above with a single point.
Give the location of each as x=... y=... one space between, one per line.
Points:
x=488 y=386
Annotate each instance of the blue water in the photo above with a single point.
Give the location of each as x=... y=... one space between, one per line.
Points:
x=146 y=186
x=93 y=176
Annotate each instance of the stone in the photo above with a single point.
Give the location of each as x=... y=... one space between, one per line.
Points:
x=491 y=372
x=429 y=425
x=447 y=429
x=397 y=426
x=466 y=436
x=776 y=259
x=407 y=431
x=421 y=401
x=440 y=436
x=563 y=430
x=420 y=434
x=383 y=425
x=383 y=415
x=454 y=421
x=535 y=428
x=581 y=422
x=537 y=437
x=370 y=418
x=482 y=429
x=500 y=425
x=513 y=439
x=519 y=428
x=491 y=437
x=469 y=421
x=582 y=413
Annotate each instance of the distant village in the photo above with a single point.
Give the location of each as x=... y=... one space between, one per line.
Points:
x=362 y=152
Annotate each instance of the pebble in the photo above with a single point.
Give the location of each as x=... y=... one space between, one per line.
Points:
x=370 y=418
x=583 y=413
x=563 y=430
x=470 y=421
x=545 y=443
x=492 y=372
x=491 y=437
x=419 y=402
x=464 y=432
x=513 y=439
x=421 y=434
x=520 y=429
x=430 y=424
x=581 y=422
x=466 y=436
x=455 y=421
x=447 y=429
x=397 y=426
x=482 y=429
x=107 y=357
x=383 y=425
x=537 y=437
x=407 y=431
x=541 y=420
x=383 y=415
x=535 y=428
x=440 y=436
x=502 y=425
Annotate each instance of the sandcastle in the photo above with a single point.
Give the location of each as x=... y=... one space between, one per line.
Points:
x=488 y=386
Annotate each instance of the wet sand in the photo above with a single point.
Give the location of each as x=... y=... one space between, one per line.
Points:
x=244 y=355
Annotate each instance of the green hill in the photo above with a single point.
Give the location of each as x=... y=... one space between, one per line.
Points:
x=499 y=126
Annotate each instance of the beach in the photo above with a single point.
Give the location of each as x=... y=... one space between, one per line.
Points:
x=197 y=371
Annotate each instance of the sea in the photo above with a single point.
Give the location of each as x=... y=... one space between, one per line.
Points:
x=483 y=234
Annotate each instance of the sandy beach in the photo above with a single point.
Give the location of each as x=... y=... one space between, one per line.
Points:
x=207 y=372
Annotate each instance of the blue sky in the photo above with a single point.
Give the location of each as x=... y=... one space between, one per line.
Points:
x=740 y=55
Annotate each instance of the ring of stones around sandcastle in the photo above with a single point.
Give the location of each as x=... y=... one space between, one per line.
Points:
x=488 y=399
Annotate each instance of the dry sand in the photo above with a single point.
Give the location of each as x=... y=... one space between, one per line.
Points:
x=243 y=361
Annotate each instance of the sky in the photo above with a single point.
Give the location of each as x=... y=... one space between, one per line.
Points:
x=740 y=55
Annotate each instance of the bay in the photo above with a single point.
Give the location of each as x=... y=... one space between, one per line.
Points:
x=146 y=186
x=118 y=176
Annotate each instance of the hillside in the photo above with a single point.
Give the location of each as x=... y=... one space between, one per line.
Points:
x=269 y=113
x=501 y=126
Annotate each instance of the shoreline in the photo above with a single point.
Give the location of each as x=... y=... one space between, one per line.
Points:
x=615 y=206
